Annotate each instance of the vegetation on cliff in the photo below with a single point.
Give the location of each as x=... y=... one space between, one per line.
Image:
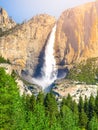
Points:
x=9 y=31
x=43 y=112
x=86 y=72
x=3 y=60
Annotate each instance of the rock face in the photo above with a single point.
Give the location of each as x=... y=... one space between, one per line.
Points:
x=24 y=44
x=77 y=34
x=5 y=21
x=64 y=87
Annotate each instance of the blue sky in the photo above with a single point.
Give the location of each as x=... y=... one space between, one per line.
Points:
x=21 y=10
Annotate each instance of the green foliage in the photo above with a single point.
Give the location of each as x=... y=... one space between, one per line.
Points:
x=93 y=124
x=74 y=107
x=10 y=102
x=51 y=105
x=80 y=104
x=13 y=74
x=2 y=60
x=42 y=112
x=32 y=103
x=96 y=104
x=91 y=107
x=68 y=120
x=40 y=98
x=83 y=119
x=86 y=107
x=84 y=72
x=9 y=31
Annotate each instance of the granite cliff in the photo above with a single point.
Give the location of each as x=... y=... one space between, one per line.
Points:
x=77 y=34
x=23 y=45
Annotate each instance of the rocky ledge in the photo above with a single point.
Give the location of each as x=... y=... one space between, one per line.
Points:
x=75 y=89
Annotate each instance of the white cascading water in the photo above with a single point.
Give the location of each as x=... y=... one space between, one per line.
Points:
x=48 y=71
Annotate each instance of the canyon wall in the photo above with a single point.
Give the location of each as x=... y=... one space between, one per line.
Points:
x=24 y=43
x=77 y=34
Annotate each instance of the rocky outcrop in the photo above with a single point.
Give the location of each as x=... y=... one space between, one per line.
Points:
x=77 y=34
x=6 y=22
x=75 y=89
x=24 y=44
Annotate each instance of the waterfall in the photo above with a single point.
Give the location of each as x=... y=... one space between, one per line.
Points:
x=48 y=71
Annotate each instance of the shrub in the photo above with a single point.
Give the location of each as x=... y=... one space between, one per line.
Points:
x=84 y=72
x=2 y=60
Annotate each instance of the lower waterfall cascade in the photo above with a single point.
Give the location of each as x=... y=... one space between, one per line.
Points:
x=49 y=70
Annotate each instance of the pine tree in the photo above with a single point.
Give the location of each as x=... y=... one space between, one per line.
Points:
x=64 y=101
x=69 y=101
x=19 y=114
x=86 y=105
x=32 y=103
x=74 y=107
x=51 y=106
x=80 y=104
x=40 y=98
x=96 y=104
x=91 y=106
x=93 y=124
x=38 y=120
x=27 y=102
x=68 y=121
x=11 y=111
x=83 y=119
